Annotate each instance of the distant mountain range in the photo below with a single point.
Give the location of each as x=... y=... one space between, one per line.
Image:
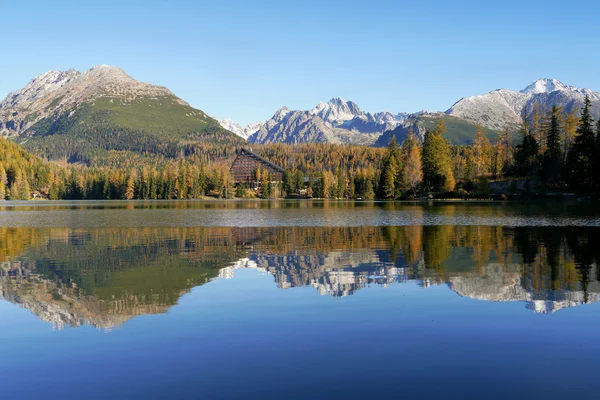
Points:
x=76 y=116
x=340 y=121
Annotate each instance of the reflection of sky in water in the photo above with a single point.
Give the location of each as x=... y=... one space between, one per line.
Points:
x=246 y=338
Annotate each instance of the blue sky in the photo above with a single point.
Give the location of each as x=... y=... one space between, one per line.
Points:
x=245 y=59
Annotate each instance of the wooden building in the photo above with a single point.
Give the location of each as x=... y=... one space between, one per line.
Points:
x=246 y=163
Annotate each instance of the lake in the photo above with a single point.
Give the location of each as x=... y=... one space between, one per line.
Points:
x=299 y=299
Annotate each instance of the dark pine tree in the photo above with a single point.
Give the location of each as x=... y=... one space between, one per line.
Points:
x=526 y=155
x=553 y=155
x=580 y=161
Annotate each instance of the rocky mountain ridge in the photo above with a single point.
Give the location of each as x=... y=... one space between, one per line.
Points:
x=337 y=121
x=342 y=122
x=60 y=91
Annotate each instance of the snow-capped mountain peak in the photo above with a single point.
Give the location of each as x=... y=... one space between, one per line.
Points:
x=545 y=85
x=242 y=131
x=502 y=109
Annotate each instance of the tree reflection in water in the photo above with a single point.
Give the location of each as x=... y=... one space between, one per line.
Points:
x=104 y=277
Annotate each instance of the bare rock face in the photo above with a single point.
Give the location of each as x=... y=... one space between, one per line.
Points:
x=54 y=92
x=337 y=121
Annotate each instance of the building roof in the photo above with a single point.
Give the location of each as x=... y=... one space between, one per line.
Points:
x=264 y=160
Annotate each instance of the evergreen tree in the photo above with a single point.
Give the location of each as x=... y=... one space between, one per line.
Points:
x=299 y=181
x=553 y=156
x=388 y=179
x=369 y=193
x=581 y=157
x=389 y=174
x=437 y=166
x=288 y=183
x=526 y=153
x=265 y=185
x=342 y=184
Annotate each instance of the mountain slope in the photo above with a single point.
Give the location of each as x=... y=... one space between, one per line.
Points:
x=74 y=115
x=459 y=131
x=503 y=108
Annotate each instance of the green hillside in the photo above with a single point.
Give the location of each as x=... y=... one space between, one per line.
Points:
x=156 y=126
x=460 y=132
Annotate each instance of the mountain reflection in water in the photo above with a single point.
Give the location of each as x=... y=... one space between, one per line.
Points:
x=104 y=277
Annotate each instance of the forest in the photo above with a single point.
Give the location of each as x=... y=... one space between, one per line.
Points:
x=554 y=151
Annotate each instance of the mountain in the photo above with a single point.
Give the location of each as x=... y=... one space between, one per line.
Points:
x=241 y=131
x=71 y=115
x=342 y=122
x=503 y=108
x=459 y=131
x=337 y=121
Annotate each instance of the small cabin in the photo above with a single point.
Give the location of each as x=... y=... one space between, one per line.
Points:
x=246 y=163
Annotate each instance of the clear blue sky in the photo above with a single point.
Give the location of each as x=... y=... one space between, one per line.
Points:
x=245 y=59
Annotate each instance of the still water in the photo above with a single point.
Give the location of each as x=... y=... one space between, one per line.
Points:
x=299 y=300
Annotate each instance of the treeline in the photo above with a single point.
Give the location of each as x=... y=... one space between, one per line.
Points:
x=553 y=151
x=198 y=170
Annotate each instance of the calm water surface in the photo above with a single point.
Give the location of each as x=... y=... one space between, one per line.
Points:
x=299 y=300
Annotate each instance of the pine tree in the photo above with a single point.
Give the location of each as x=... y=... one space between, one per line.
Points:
x=526 y=153
x=581 y=157
x=389 y=178
x=437 y=165
x=342 y=184
x=288 y=183
x=264 y=185
x=299 y=181
x=553 y=156
x=369 y=191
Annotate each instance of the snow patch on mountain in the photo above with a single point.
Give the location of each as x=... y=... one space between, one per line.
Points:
x=242 y=131
x=502 y=108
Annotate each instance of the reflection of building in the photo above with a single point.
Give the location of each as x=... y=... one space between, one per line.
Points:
x=246 y=164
